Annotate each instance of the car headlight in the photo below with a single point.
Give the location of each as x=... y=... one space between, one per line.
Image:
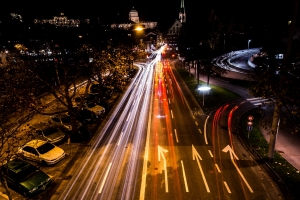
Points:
x=34 y=189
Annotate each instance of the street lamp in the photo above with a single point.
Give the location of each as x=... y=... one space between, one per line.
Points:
x=204 y=88
x=248 y=43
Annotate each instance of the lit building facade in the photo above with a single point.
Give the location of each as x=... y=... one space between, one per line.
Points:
x=134 y=19
x=61 y=20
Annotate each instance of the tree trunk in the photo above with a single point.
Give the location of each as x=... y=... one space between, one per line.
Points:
x=208 y=76
x=198 y=68
x=274 y=131
x=4 y=183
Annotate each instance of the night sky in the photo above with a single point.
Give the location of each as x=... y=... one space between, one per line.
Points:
x=162 y=11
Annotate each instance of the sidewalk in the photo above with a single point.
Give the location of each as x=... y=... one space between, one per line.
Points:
x=287 y=144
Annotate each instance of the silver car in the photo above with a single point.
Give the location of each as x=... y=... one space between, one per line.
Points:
x=48 y=132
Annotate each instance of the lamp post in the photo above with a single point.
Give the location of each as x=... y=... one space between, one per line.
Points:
x=204 y=88
x=224 y=41
x=248 y=43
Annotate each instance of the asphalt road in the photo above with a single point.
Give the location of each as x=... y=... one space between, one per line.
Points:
x=189 y=159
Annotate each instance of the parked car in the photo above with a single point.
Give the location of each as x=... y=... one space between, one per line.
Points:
x=62 y=120
x=41 y=151
x=25 y=178
x=95 y=88
x=93 y=97
x=86 y=116
x=90 y=97
x=98 y=110
x=48 y=132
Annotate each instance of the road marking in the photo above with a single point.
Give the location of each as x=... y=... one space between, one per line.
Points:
x=167 y=92
x=105 y=177
x=120 y=137
x=169 y=101
x=232 y=154
x=196 y=123
x=205 y=130
x=211 y=155
x=197 y=156
x=176 y=135
x=218 y=168
x=161 y=152
x=200 y=130
x=184 y=178
x=144 y=173
x=128 y=117
x=228 y=190
x=172 y=114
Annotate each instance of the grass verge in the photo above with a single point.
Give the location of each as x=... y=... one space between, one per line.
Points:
x=213 y=98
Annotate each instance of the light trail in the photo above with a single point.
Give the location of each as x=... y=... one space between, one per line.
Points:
x=135 y=100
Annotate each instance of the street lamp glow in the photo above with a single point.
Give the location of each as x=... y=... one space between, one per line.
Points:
x=204 y=88
x=248 y=43
x=139 y=28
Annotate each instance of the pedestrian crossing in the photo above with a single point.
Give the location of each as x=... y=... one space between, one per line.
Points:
x=260 y=102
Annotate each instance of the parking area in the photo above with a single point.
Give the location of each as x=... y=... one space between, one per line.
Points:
x=72 y=150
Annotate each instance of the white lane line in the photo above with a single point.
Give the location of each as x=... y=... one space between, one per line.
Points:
x=228 y=190
x=167 y=92
x=184 y=178
x=172 y=114
x=105 y=177
x=128 y=117
x=218 y=168
x=176 y=135
x=146 y=155
x=161 y=152
x=211 y=155
x=120 y=138
x=169 y=101
x=197 y=156
x=200 y=130
x=232 y=154
x=205 y=130
x=196 y=123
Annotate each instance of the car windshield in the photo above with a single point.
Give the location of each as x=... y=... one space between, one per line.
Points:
x=91 y=105
x=50 y=130
x=86 y=114
x=66 y=119
x=45 y=148
x=22 y=171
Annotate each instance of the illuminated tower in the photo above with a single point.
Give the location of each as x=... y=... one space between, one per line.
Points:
x=134 y=16
x=182 y=15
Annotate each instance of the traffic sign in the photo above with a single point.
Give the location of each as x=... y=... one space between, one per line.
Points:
x=249 y=128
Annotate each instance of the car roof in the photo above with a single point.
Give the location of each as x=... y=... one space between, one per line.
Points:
x=17 y=165
x=35 y=143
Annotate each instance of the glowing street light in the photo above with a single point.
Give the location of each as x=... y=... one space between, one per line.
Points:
x=204 y=88
x=139 y=28
x=248 y=43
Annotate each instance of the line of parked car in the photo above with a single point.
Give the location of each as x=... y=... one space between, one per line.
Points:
x=27 y=179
